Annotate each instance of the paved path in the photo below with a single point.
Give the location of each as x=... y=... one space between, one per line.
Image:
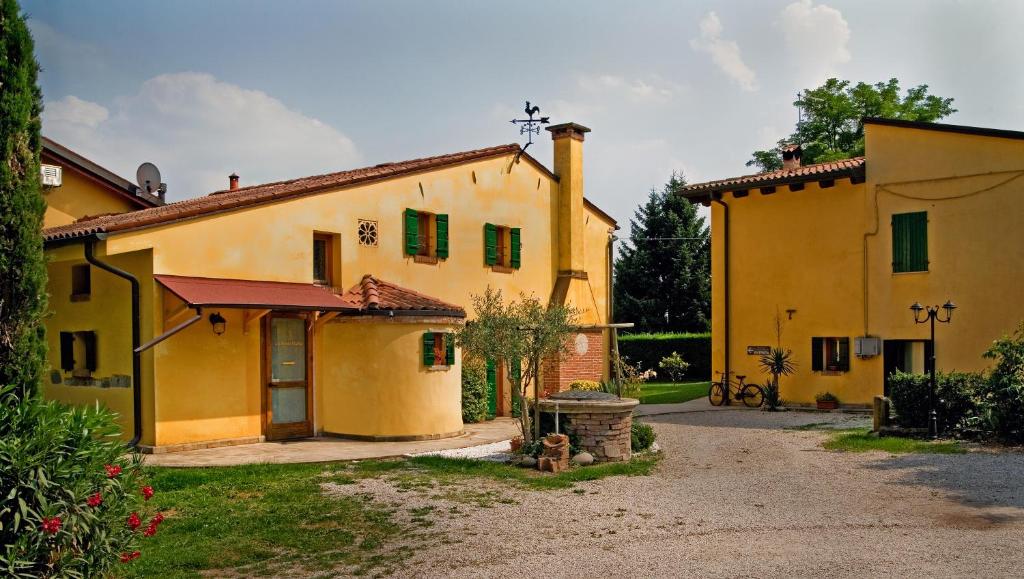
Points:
x=326 y=449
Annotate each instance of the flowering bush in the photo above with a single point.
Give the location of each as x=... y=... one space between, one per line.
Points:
x=71 y=496
x=674 y=366
x=585 y=385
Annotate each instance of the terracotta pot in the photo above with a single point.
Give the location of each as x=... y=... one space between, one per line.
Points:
x=517 y=443
x=828 y=405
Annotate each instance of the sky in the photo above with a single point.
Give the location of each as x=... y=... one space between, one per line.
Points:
x=277 y=90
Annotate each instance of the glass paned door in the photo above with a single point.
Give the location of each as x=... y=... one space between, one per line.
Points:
x=287 y=384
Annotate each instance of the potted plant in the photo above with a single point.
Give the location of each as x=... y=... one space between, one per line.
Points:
x=827 y=401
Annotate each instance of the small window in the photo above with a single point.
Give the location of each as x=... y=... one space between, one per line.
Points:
x=910 y=242
x=426 y=235
x=367 y=233
x=438 y=349
x=830 y=354
x=78 y=353
x=502 y=247
x=81 y=282
x=323 y=259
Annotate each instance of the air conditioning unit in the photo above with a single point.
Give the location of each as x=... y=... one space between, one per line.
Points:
x=51 y=175
x=867 y=346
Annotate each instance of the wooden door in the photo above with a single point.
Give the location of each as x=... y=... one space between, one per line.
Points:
x=288 y=402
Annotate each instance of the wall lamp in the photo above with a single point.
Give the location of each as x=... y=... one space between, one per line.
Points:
x=218 y=322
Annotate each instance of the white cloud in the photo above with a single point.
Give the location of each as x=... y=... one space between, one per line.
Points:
x=816 y=37
x=198 y=130
x=641 y=91
x=72 y=110
x=724 y=53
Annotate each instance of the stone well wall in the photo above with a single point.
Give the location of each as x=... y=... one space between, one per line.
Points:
x=603 y=426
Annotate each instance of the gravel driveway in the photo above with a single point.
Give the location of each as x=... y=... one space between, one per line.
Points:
x=738 y=495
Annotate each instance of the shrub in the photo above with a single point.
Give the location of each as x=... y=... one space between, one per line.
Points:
x=1001 y=397
x=776 y=363
x=474 y=390
x=641 y=437
x=69 y=492
x=585 y=385
x=674 y=366
x=826 y=397
x=954 y=392
x=647 y=350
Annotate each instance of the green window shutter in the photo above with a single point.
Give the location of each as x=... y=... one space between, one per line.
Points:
x=910 y=242
x=844 y=354
x=442 y=235
x=428 y=349
x=67 y=351
x=516 y=247
x=90 y=350
x=492 y=389
x=449 y=349
x=516 y=370
x=817 y=354
x=490 y=244
x=412 y=234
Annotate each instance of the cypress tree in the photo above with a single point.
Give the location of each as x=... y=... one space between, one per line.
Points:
x=662 y=273
x=22 y=263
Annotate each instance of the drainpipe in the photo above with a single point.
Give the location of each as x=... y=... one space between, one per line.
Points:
x=725 y=280
x=136 y=336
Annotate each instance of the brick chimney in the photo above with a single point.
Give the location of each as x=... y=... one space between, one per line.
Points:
x=791 y=156
x=233 y=181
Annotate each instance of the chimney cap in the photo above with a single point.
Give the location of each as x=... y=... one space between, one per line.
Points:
x=233 y=175
x=573 y=130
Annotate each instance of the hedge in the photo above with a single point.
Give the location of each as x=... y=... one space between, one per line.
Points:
x=646 y=350
x=955 y=390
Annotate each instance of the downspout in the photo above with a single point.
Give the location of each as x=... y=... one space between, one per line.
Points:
x=725 y=280
x=136 y=336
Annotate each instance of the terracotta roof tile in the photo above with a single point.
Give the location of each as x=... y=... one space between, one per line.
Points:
x=268 y=192
x=853 y=168
x=372 y=294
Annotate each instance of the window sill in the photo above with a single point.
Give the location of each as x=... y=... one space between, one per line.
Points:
x=438 y=368
x=896 y=273
x=502 y=269
x=428 y=259
x=80 y=297
x=832 y=372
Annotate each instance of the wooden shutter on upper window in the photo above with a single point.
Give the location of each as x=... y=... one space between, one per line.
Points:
x=490 y=244
x=67 y=351
x=910 y=242
x=441 y=221
x=428 y=349
x=515 y=236
x=412 y=233
x=844 y=354
x=449 y=348
x=817 y=354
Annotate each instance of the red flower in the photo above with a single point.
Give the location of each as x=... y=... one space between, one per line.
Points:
x=134 y=521
x=94 y=500
x=112 y=470
x=51 y=525
x=150 y=530
x=147 y=492
x=126 y=557
x=158 y=518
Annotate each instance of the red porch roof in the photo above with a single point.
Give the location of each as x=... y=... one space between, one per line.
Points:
x=216 y=292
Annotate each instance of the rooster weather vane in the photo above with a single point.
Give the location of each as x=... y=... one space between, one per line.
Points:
x=530 y=126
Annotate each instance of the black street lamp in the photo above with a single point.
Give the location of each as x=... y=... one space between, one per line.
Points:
x=932 y=315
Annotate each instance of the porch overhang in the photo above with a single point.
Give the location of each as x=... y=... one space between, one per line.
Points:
x=251 y=294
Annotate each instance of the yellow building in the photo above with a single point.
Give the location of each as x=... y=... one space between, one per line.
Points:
x=320 y=305
x=75 y=188
x=840 y=251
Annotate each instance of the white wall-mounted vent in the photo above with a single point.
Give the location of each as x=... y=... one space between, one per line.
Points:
x=867 y=346
x=51 y=175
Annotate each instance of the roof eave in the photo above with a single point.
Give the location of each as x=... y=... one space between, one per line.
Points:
x=704 y=193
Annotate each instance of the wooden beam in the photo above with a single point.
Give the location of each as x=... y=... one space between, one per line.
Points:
x=177 y=316
x=251 y=315
x=323 y=318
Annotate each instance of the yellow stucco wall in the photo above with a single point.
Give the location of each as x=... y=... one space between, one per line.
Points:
x=77 y=197
x=375 y=383
x=806 y=251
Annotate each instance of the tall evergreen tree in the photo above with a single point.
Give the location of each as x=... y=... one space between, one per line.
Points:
x=662 y=273
x=22 y=263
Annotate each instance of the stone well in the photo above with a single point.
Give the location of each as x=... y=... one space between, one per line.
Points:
x=601 y=421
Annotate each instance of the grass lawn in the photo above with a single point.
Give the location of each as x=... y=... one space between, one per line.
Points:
x=862 y=440
x=672 y=393
x=271 y=520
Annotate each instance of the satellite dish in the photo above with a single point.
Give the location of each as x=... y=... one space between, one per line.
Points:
x=148 y=177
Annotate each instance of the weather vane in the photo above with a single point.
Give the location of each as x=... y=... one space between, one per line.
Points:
x=530 y=126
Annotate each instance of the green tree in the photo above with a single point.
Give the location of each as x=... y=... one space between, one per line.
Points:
x=524 y=331
x=832 y=125
x=662 y=273
x=22 y=264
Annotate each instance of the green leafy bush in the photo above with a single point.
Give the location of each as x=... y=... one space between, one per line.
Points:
x=1001 y=397
x=585 y=385
x=955 y=391
x=647 y=350
x=674 y=366
x=826 y=397
x=69 y=492
x=641 y=437
x=474 y=390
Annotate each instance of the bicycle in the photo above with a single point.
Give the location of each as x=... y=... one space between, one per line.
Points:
x=752 y=395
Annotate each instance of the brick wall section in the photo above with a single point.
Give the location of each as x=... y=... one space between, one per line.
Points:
x=604 y=435
x=557 y=374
